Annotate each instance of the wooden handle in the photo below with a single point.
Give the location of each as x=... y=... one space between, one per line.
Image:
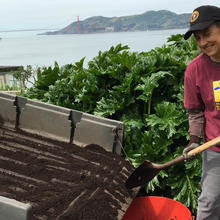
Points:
x=205 y=146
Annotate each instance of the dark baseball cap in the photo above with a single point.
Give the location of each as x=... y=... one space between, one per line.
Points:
x=202 y=17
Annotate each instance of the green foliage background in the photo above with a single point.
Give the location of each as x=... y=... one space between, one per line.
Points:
x=143 y=90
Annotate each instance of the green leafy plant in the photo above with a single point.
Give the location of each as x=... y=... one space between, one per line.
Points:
x=143 y=90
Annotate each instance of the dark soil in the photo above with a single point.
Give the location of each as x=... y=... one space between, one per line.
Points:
x=63 y=181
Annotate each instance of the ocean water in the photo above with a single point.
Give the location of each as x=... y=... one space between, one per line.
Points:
x=29 y=48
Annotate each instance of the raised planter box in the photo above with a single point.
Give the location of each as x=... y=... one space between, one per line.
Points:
x=58 y=163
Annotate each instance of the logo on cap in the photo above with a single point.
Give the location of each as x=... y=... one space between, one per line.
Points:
x=194 y=16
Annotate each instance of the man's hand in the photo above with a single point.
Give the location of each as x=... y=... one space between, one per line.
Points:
x=187 y=149
x=193 y=143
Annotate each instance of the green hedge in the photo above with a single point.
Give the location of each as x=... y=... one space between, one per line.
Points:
x=143 y=90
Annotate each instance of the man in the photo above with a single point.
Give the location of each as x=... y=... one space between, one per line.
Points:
x=202 y=100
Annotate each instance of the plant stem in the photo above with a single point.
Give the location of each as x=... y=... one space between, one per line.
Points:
x=149 y=106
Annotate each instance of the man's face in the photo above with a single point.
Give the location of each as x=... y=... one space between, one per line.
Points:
x=208 y=41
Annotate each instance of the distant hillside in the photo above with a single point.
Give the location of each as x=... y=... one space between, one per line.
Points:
x=150 y=20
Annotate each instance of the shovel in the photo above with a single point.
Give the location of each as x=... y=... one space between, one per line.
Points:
x=147 y=170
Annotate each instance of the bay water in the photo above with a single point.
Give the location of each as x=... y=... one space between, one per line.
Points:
x=29 y=48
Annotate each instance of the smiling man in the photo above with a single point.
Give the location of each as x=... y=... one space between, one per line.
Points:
x=202 y=100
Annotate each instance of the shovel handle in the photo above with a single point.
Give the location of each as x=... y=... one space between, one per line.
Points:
x=205 y=146
x=195 y=151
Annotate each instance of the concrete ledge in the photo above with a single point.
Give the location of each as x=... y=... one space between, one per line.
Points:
x=11 y=209
x=96 y=130
x=6 y=69
x=45 y=120
x=8 y=111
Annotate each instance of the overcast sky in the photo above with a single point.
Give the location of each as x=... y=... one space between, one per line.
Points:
x=30 y=14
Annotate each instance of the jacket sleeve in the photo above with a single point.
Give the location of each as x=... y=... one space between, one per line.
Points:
x=196 y=122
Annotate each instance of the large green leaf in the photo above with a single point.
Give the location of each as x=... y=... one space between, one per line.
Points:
x=166 y=118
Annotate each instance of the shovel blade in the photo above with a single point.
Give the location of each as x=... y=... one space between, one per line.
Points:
x=142 y=175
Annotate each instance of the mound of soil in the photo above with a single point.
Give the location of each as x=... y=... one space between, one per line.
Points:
x=63 y=181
